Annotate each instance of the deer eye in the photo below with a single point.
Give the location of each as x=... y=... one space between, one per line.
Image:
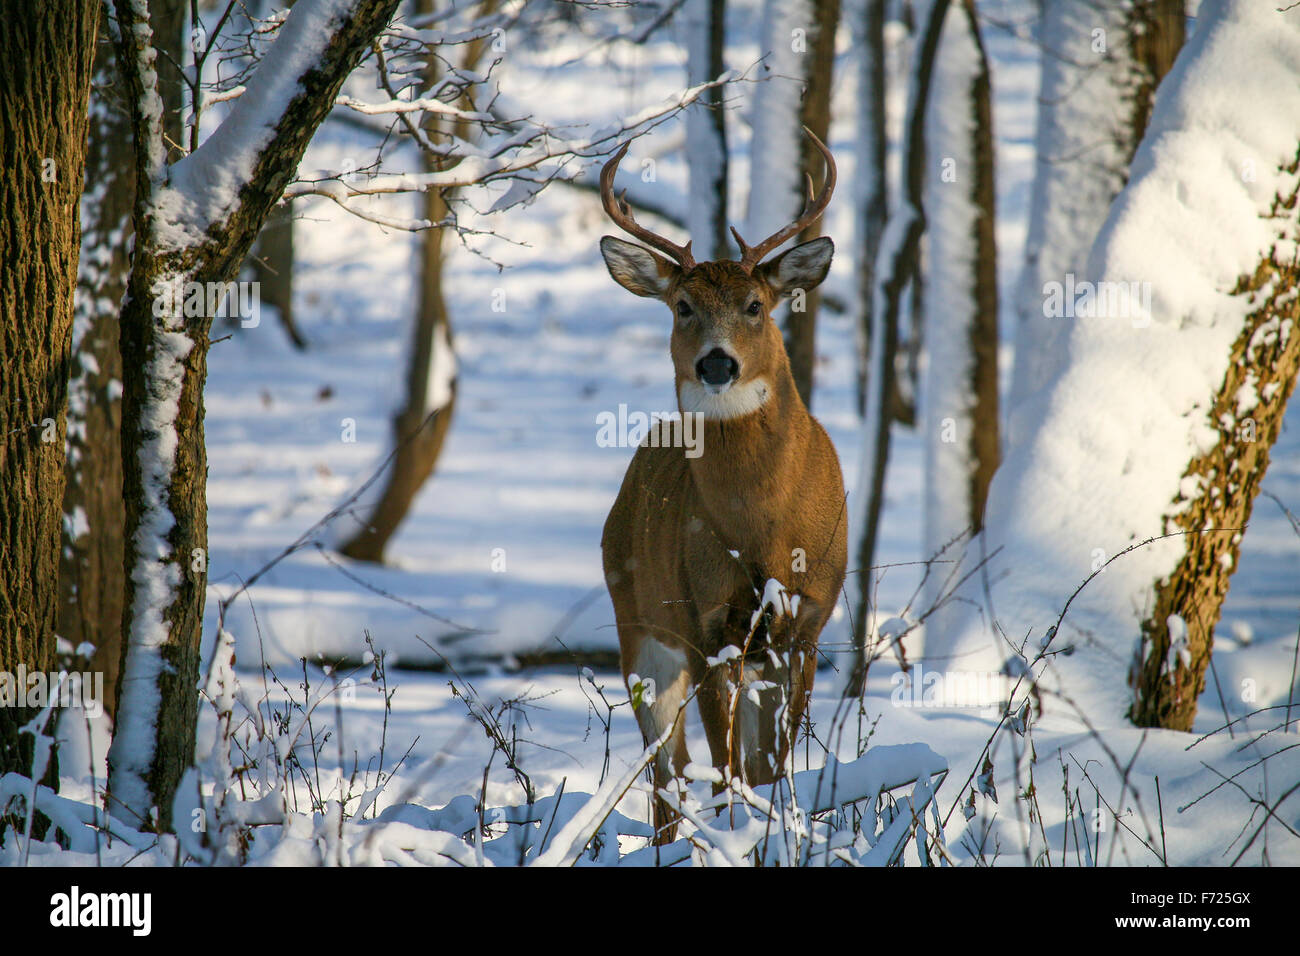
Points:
x=754 y=308
x=683 y=308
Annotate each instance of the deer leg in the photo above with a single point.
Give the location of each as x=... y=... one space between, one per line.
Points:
x=778 y=682
x=715 y=713
x=798 y=686
x=658 y=711
x=727 y=625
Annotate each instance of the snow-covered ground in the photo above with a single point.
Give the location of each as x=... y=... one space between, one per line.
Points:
x=505 y=539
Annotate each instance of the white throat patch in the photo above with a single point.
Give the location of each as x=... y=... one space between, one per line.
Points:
x=734 y=401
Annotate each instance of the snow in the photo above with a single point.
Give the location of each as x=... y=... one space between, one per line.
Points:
x=1134 y=392
x=441 y=372
x=156 y=572
x=1080 y=168
x=204 y=187
x=522 y=473
x=946 y=402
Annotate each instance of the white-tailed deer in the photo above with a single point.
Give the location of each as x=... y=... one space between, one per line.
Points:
x=737 y=554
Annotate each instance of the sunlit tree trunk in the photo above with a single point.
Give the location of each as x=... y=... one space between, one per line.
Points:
x=420 y=428
x=1178 y=635
x=801 y=319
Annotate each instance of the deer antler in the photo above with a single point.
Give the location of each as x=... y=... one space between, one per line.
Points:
x=751 y=256
x=621 y=213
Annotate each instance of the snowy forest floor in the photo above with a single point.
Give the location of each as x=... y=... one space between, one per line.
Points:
x=544 y=347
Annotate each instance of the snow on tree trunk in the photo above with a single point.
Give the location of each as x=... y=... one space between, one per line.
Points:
x=776 y=185
x=792 y=40
x=1182 y=353
x=895 y=265
x=91 y=572
x=195 y=222
x=1081 y=161
x=960 y=387
x=1101 y=66
x=704 y=28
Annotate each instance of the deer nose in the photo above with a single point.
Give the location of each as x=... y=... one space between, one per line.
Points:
x=717 y=368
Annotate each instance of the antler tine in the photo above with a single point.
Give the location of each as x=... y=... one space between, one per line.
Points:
x=751 y=256
x=620 y=212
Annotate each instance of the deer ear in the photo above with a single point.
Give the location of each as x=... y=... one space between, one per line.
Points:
x=636 y=269
x=803 y=267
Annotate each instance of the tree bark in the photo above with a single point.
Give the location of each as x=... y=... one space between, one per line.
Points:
x=1156 y=30
x=984 y=448
x=48 y=49
x=872 y=194
x=801 y=323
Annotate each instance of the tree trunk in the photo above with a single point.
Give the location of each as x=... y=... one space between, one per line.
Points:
x=91 y=571
x=420 y=428
x=1169 y=675
x=706 y=130
x=960 y=395
x=801 y=316
x=164 y=356
x=272 y=262
x=1156 y=30
x=895 y=265
x=90 y=566
x=1100 y=69
x=871 y=196
x=1148 y=446
x=48 y=49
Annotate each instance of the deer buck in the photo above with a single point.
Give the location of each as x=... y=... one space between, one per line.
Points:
x=724 y=565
